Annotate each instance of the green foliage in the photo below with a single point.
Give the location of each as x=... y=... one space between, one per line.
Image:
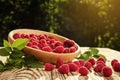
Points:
x=85 y=21
x=93 y=52
x=15 y=56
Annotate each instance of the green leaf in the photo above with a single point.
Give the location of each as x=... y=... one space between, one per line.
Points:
x=7 y=45
x=19 y=43
x=94 y=51
x=100 y=55
x=17 y=53
x=3 y=52
x=31 y=61
x=1 y=66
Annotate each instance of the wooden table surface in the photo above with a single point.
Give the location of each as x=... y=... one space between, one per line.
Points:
x=41 y=74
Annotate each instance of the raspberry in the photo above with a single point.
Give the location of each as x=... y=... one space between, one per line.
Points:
x=47 y=48
x=29 y=44
x=114 y=61
x=66 y=50
x=82 y=62
x=59 y=49
x=77 y=63
x=83 y=71
x=101 y=59
x=97 y=62
x=52 y=41
x=59 y=62
x=49 y=67
x=36 y=47
x=69 y=43
x=72 y=49
x=22 y=35
x=32 y=35
x=58 y=43
x=43 y=41
x=88 y=65
x=92 y=61
x=16 y=35
x=106 y=71
x=98 y=67
x=73 y=67
x=43 y=37
x=64 y=69
x=34 y=43
x=116 y=66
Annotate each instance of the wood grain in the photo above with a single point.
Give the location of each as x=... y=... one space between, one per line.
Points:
x=41 y=74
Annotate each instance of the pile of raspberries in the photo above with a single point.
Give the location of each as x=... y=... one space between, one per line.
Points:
x=47 y=43
x=84 y=67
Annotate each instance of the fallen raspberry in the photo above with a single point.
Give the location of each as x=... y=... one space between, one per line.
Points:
x=88 y=65
x=77 y=63
x=106 y=71
x=47 y=48
x=59 y=62
x=49 y=67
x=101 y=59
x=92 y=61
x=116 y=66
x=98 y=67
x=64 y=69
x=114 y=61
x=72 y=49
x=83 y=71
x=82 y=62
x=59 y=49
x=97 y=62
x=73 y=67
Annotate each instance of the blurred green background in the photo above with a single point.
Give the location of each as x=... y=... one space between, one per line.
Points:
x=94 y=23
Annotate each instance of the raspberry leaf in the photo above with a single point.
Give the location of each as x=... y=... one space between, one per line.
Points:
x=3 y=52
x=19 y=43
x=7 y=45
x=94 y=51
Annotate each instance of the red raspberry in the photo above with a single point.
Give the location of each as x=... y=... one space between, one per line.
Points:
x=92 y=61
x=82 y=62
x=40 y=46
x=43 y=41
x=66 y=50
x=69 y=43
x=47 y=48
x=73 y=67
x=22 y=35
x=36 y=47
x=58 y=43
x=32 y=35
x=98 y=67
x=77 y=63
x=83 y=71
x=59 y=49
x=34 y=43
x=88 y=65
x=106 y=71
x=49 y=67
x=59 y=62
x=64 y=69
x=72 y=49
x=114 y=61
x=101 y=59
x=116 y=66
x=16 y=35
x=29 y=44
x=52 y=41
x=97 y=62
x=43 y=37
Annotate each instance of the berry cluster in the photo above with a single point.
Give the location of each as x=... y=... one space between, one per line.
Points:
x=83 y=67
x=102 y=68
x=48 y=43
